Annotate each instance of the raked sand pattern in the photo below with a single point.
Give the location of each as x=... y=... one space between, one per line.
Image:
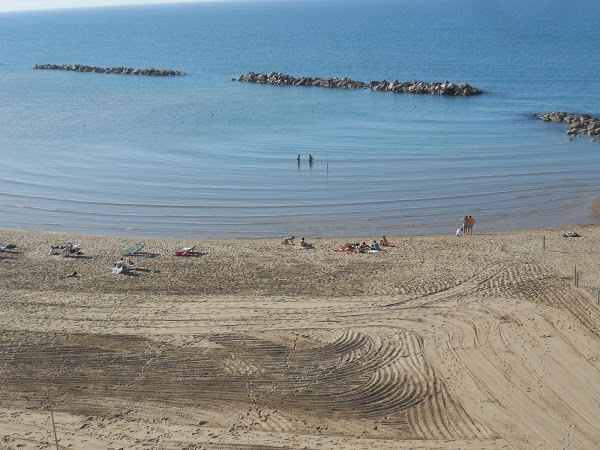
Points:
x=479 y=342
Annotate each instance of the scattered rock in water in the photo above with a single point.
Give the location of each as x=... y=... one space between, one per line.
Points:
x=397 y=87
x=578 y=123
x=115 y=70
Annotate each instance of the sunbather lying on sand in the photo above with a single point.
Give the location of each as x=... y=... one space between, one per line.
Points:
x=123 y=266
x=71 y=275
x=185 y=251
x=288 y=240
x=571 y=234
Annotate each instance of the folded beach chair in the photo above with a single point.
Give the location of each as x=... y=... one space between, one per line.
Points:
x=134 y=249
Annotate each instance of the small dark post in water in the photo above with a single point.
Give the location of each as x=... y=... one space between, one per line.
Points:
x=52 y=414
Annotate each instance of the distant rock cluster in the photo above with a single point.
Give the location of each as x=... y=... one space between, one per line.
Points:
x=579 y=123
x=115 y=70
x=413 y=87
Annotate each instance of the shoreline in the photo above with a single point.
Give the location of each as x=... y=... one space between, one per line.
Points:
x=65 y=236
x=583 y=210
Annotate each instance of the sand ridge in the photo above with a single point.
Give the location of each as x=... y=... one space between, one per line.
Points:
x=480 y=341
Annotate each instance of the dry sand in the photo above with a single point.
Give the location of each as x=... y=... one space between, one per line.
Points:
x=477 y=342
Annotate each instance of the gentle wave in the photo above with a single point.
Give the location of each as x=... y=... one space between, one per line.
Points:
x=255 y=205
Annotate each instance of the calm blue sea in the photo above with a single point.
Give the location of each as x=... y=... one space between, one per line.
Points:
x=204 y=156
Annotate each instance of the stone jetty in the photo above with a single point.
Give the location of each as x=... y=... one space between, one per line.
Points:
x=578 y=123
x=115 y=70
x=412 y=87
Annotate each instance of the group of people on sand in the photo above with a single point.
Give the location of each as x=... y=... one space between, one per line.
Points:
x=290 y=241
x=466 y=226
x=363 y=247
x=66 y=250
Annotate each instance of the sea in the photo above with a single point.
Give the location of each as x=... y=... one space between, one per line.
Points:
x=205 y=156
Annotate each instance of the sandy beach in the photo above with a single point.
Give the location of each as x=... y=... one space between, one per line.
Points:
x=473 y=342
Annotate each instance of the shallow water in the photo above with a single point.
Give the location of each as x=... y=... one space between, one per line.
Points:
x=201 y=155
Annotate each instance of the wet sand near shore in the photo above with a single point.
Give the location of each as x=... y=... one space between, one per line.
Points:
x=475 y=342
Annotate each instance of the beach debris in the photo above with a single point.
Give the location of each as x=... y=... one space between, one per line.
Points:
x=115 y=70
x=578 y=123
x=397 y=87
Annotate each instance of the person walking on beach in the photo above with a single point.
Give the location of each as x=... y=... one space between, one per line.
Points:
x=464 y=224
x=470 y=223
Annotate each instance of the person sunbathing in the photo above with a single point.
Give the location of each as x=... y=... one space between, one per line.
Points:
x=571 y=234
x=384 y=241
x=305 y=244
x=363 y=248
x=185 y=251
x=288 y=240
x=349 y=246
x=126 y=264
x=376 y=246
x=71 y=275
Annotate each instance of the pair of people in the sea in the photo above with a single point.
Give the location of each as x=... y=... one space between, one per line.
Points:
x=310 y=158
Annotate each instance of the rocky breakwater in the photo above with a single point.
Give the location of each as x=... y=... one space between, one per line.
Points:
x=412 y=87
x=115 y=70
x=578 y=123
